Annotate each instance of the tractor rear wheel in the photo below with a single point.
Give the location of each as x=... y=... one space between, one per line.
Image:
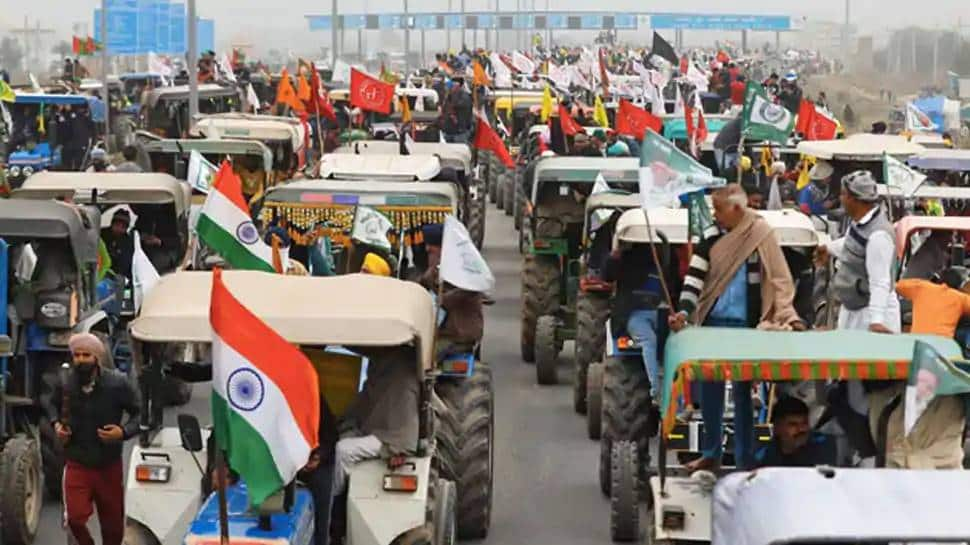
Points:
x=540 y=295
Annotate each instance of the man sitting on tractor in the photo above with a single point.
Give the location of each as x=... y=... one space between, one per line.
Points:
x=638 y=297
x=461 y=321
x=736 y=279
x=793 y=443
x=383 y=418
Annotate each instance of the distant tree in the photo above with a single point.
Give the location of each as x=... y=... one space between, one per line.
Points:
x=63 y=49
x=11 y=54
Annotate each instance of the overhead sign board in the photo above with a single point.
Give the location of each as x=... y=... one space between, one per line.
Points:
x=720 y=22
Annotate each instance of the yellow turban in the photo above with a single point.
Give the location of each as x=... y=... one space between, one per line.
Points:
x=375 y=264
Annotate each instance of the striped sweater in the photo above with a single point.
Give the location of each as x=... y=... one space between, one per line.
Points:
x=697 y=275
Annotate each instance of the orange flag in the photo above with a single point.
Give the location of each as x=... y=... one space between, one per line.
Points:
x=302 y=88
x=481 y=78
x=285 y=94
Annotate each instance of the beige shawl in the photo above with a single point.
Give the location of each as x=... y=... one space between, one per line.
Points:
x=728 y=254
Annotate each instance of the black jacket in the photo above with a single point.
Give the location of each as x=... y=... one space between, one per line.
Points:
x=113 y=396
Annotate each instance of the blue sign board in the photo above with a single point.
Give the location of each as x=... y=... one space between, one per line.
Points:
x=177 y=21
x=625 y=21
x=720 y=22
x=487 y=21
x=206 y=34
x=556 y=20
x=163 y=30
x=389 y=21
x=354 y=22
x=591 y=22
x=425 y=22
x=452 y=21
x=523 y=21
x=320 y=22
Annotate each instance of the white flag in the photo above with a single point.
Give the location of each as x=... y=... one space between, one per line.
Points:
x=577 y=78
x=522 y=63
x=200 y=172
x=678 y=101
x=341 y=72
x=144 y=276
x=371 y=227
x=252 y=98
x=602 y=215
x=917 y=120
x=503 y=76
x=900 y=177
x=5 y=116
x=225 y=66
x=34 y=84
x=559 y=76
x=697 y=77
x=158 y=65
x=461 y=264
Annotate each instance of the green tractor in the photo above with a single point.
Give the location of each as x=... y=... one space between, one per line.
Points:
x=553 y=239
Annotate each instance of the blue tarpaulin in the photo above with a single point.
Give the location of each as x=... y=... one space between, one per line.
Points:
x=933 y=108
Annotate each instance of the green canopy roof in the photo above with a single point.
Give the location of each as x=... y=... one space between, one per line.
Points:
x=718 y=354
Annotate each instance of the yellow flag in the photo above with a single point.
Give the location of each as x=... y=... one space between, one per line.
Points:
x=766 y=159
x=405 y=109
x=804 y=168
x=6 y=93
x=599 y=113
x=546 y=105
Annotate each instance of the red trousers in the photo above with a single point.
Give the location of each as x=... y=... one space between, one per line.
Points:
x=85 y=488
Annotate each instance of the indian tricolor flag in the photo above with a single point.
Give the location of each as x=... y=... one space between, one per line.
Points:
x=266 y=398
x=226 y=226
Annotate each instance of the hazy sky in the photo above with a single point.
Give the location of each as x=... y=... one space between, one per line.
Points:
x=258 y=21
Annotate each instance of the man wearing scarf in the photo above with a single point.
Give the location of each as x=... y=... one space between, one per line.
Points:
x=737 y=278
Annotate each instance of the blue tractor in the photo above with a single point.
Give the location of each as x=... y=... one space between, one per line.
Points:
x=35 y=144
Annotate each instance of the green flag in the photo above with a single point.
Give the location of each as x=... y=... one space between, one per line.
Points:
x=700 y=223
x=763 y=119
x=666 y=173
x=930 y=375
x=900 y=178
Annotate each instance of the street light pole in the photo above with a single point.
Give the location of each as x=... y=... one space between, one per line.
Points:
x=407 y=40
x=104 y=75
x=193 y=62
x=333 y=34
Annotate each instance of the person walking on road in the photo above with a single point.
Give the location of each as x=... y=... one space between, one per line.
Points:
x=92 y=430
x=736 y=279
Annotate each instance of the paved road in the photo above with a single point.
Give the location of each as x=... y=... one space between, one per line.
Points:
x=545 y=484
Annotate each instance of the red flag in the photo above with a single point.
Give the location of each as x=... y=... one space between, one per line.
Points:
x=696 y=134
x=634 y=121
x=806 y=111
x=76 y=45
x=569 y=125
x=487 y=139
x=369 y=93
x=684 y=65
x=91 y=47
x=723 y=57
x=319 y=103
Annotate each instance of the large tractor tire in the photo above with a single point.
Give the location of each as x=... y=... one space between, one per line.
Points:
x=547 y=348
x=508 y=192
x=520 y=200
x=136 y=534
x=594 y=400
x=592 y=311
x=624 y=496
x=501 y=184
x=445 y=516
x=540 y=295
x=627 y=411
x=465 y=433
x=22 y=486
x=475 y=211
x=491 y=176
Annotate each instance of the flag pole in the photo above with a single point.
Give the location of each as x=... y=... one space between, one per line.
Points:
x=656 y=262
x=740 y=154
x=221 y=471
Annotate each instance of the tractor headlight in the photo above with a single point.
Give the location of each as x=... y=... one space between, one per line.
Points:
x=28 y=171
x=15 y=171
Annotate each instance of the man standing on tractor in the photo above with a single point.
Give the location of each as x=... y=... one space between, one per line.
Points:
x=738 y=278
x=88 y=410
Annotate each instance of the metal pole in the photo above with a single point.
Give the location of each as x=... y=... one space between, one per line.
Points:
x=407 y=40
x=333 y=34
x=193 y=61
x=462 y=44
x=936 y=55
x=424 y=52
x=447 y=28
x=104 y=75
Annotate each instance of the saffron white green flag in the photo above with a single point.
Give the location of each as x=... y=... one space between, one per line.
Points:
x=371 y=227
x=265 y=396
x=462 y=265
x=666 y=173
x=900 y=178
x=226 y=226
x=763 y=119
x=200 y=173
